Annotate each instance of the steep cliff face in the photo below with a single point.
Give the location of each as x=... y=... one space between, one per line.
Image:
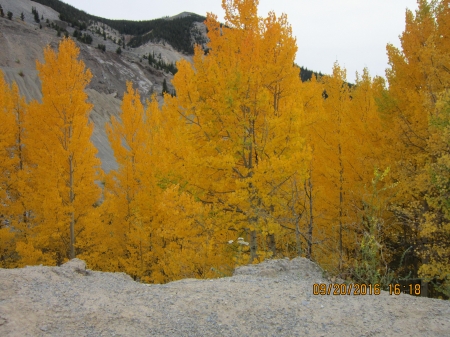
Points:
x=23 y=42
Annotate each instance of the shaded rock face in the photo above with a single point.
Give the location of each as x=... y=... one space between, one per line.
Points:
x=23 y=42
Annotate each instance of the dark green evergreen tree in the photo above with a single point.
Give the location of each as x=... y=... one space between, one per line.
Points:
x=2 y=14
x=119 y=51
x=165 y=88
x=36 y=15
x=10 y=15
x=85 y=38
x=22 y=16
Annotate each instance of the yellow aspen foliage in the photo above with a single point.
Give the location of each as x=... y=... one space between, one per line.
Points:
x=305 y=208
x=128 y=191
x=66 y=167
x=184 y=241
x=244 y=122
x=6 y=132
x=153 y=230
x=15 y=169
x=337 y=138
x=343 y=130
x=244 y=163
x=7 y=242
x=435 y=225
x=417 y=74
x=415 y=104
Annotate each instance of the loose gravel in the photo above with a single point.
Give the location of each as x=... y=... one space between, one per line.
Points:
x=274 y=298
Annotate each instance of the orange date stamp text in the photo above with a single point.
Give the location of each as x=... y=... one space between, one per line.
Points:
x=346 y=289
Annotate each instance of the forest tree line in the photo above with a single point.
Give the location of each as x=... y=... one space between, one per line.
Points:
x=246 y=162
x=176 y=32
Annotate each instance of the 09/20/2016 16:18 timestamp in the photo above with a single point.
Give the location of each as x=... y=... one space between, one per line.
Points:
x=365 y=289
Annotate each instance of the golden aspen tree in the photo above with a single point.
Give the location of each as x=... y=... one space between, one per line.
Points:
x=299 y=199
x=7 y=242
x=418 y=79
x=184 y=242
x=15 y=199
x=372 y=188
x=337 y=136
x=315 y=218
x=154 y=231
x=343 y=131
x=435 y=226
x=128 y=191
x=58 y=141
x=244 y=119
x=186 y=238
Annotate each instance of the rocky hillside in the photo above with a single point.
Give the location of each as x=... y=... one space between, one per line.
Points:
x=23 y=42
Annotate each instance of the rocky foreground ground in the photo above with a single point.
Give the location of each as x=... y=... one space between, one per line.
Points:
x=274 y=298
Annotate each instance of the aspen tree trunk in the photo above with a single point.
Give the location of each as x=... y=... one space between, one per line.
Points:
x=20 y=147
x=272 y=245
x=297 y=217
x=297 y=237
x=72 y=215
x=21 y=154
x=311 y=220
x=341 y=201
x=254 y=220
x=253 y=245
x=140 y=253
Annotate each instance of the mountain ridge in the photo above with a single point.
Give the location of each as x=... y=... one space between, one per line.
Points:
x=174 y=30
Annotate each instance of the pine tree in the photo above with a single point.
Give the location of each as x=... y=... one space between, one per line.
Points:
x=2 y=14
x=36 y=16
x=164 y=87
x=22 y=16
x=102 y=47
x=10 y=15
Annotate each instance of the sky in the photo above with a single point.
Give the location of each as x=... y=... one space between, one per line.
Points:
x=352 y=32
